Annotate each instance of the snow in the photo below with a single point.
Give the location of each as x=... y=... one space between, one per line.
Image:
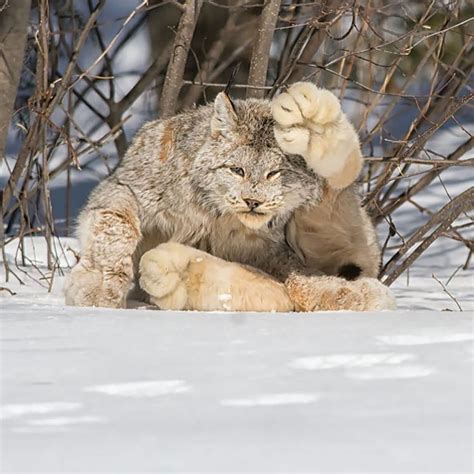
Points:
x=272 y=399
x=97 y=390
x=139 y=390
x=149 y=388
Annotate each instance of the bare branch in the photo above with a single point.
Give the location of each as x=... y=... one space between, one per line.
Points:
x=182 y=43
x=443 y=219
x=261 y=50
x=13 y=32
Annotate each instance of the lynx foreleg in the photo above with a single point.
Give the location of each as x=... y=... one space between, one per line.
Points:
x=310 y=123
x=179 y=277
x=104 y=274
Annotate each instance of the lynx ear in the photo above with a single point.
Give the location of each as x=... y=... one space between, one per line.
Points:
x=224 y=120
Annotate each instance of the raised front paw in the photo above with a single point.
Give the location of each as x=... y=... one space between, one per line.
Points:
x=163 y=275
x=335 y=294
x=307 y=105
x=310 y=123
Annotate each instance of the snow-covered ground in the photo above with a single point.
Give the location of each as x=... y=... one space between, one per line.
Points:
x=141 y=391
x=138 y=390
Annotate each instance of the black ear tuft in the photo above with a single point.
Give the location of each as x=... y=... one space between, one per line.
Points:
x=349 y=271
x=231 y=80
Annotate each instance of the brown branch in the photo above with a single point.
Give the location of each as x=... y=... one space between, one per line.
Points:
x=452 y=108
x=222 y=85
x=3 y=288
x=13 y=32
x=175 y=72
x=453 y=158
x=145 y=81
x=216 y=51
x=443 y=286
x=464 y=202
x=261 y=50
x=48 y=108
x=421 y=161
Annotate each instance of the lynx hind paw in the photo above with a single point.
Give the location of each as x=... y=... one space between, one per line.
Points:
x=161 y=275
x=305 y=104
x=377 y=296
x=336 y=294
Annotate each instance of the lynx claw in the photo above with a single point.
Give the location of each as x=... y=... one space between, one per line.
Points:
x=303 y=115
x=310 y=123
x=286 y=111
x=293 y=140
x=304 y=103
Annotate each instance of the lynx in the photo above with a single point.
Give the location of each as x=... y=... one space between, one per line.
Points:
x=236 y=206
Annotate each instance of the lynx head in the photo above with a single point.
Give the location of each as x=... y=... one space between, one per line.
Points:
x=244 y=172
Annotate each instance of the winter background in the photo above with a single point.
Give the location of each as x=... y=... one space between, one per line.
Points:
x=142 y=390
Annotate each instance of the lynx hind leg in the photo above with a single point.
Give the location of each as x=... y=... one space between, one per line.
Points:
x=310 y=123
x=335 y=294
x=104 y=274
x=179 y=277
x=336 y=236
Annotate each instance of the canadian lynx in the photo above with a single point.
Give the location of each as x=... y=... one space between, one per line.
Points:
x=241 y=206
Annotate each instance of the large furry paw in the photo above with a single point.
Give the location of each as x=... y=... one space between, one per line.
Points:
x=335 y=294
x=88 y=286
x=163 y=275
x=83 y=286
x=307 y=105
x=310 y=123
x=179 y=277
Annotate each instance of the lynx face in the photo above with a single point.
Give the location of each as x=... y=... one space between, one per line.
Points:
x=244 y=172
x=251 y=184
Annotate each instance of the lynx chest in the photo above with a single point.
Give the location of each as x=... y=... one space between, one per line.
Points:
x=231 y=240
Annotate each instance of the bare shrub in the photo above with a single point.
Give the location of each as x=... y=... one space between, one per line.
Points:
x=402 y=69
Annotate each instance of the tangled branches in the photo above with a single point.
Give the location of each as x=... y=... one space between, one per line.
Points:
x=93 y=72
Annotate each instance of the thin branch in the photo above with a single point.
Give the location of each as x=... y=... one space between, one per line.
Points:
x=443 y=219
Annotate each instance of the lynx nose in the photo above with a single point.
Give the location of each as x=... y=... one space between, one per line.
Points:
x=252 y=203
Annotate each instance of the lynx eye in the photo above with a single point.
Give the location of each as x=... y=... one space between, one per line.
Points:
x=273 y=174
x=238 y=171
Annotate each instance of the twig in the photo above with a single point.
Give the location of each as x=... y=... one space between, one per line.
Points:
x=447 y=292
x=443 y=218
x=3 y=288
